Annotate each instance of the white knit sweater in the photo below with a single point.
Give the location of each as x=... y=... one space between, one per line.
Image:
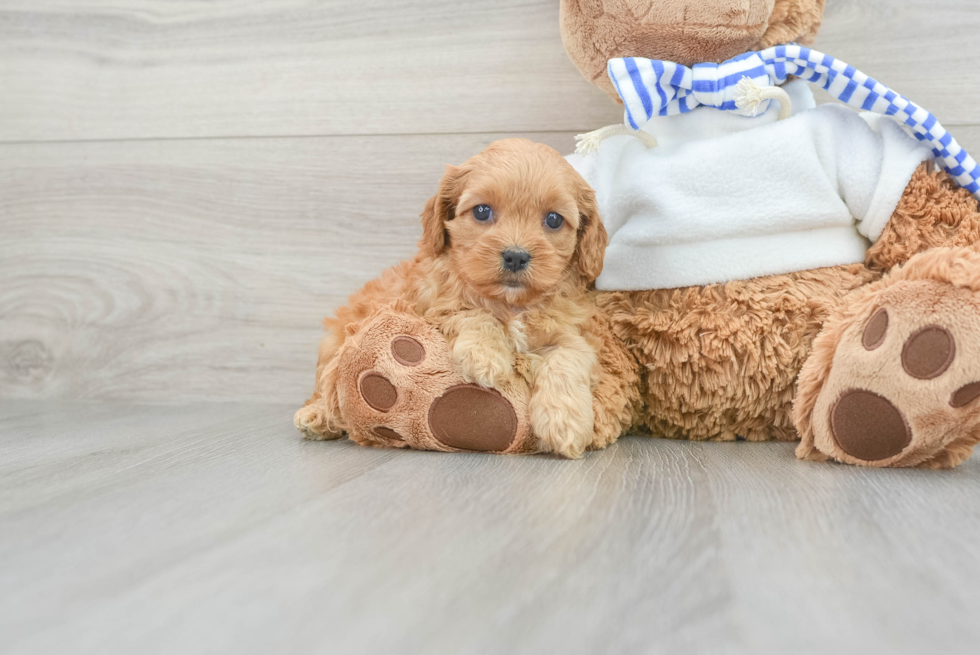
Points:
x=726 y=197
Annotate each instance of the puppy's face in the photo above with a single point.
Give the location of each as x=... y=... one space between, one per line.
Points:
x=519 y=219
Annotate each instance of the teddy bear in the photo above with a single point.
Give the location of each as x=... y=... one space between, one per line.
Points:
x=775 y=270
x=868 y=360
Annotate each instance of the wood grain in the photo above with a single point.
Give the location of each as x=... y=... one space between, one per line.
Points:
x=102 y=69
x=151 y=69
x=186 y=188
x=145 y=256
x=213 y=528
x=198 y=269
x=189 y=270
x=924 y=49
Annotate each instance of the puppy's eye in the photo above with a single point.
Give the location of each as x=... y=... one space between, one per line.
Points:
x=482 y=213
x=553 y=220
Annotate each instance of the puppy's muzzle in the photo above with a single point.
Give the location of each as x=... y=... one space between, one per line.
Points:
x=515 y=259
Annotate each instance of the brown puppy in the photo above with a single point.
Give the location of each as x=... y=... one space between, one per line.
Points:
x=510 y=244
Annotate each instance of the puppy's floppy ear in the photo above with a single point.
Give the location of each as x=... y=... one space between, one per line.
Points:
x=592 y=237
x=440 y=209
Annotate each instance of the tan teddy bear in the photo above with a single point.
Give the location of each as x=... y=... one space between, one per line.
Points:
x=881 y=370
x=812 y=278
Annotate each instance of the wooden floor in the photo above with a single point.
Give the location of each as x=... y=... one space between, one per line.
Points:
x=214 y=528
x=186 y=188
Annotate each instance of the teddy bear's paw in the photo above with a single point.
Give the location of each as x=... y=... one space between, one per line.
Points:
x=904 y=384
x=398 y=388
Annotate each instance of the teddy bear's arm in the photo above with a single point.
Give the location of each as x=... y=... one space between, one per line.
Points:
x=933 y=212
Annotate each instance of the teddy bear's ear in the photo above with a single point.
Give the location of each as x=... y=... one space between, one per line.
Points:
x=685 y=31
x=592 y=237
x=792 y=21
x=586 y=33
x=440 y=209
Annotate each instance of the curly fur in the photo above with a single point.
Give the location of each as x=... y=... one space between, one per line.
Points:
x=489 y=316
x=723 y=361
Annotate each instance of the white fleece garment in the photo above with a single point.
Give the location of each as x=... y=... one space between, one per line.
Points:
x=726 y=197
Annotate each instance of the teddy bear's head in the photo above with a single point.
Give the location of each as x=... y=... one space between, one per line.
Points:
x=685 y=31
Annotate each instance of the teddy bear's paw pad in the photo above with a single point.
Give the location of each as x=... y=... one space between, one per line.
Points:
x=377 y=391
x=387 y=433
x=469 y=417
x=399 y=388
x=389 y=372
x=928 y=353
x=407 y=351
x=905 y=381
x=965 y=395
x=868 y=426
x=874 y=333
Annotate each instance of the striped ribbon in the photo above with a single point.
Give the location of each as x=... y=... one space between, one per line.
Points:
x=650 y=87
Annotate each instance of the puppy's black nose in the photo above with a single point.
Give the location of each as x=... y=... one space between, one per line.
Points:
x=515 y=259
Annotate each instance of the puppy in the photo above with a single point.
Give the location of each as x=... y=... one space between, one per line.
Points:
x=511 y=242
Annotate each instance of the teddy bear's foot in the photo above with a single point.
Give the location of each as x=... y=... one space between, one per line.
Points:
x=896 y=380
x=397 y=387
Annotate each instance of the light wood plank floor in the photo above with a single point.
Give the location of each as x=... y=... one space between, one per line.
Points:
x=214 y=528
x=186 y=188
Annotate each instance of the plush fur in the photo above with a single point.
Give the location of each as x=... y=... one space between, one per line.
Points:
x=941 y=287
x=685 y=31
x=721 y=362
x=490 y=318
x=718 y=362
x=934 y=212
x=367 y=349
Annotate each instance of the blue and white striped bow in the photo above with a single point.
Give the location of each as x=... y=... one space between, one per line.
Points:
x=651 y=88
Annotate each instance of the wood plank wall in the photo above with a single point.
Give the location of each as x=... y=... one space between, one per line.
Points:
x=186 y=188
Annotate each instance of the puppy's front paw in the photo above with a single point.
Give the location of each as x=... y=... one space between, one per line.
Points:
x=563 y=422
x=311 y=421
x=485 y=367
